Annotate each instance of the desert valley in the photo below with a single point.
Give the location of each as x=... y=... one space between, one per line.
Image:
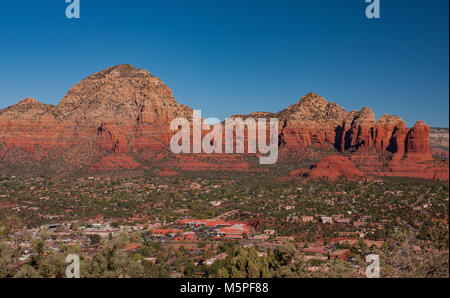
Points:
x=94 y=176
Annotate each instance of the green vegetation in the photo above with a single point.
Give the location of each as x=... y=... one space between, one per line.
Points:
x=408 y=216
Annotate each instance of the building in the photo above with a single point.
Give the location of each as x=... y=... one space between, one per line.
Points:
x=341 y=254
x=238 y=229
x=132 y=247
x=307 y=218
x=204 y=222
x=164 y=232
x=343 y=221
x=269 y=232
x=326 y=219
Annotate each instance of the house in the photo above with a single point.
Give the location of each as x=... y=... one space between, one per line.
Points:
x=315 y=250
x=234 y=230
x=187 y=236
x=132 y=247
x=211 y=261
x=307 y=218
x=341 y=254
x=176 y=275
x=269 y=232
x=343 y=221
x=359 y=224
x=326 y=219
x=315 y=257
x=104 y=233
x=262 y=254
x=204 y=222
x=281 y=239
x=260 y=238
x=150 y=260
x=164 y=232
x=371 y=243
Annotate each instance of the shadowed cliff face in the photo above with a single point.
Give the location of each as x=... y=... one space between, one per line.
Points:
x=118 y=118
x=314 y=121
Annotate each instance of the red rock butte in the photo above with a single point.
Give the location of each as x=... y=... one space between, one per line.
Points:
x=332 y=167
x=119 y=118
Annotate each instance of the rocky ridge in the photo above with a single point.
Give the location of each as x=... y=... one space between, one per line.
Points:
x=119 y=119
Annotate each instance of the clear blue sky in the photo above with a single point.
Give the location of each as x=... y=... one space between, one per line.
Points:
x=237 y=56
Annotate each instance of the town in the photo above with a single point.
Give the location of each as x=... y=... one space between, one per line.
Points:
x=207 y=227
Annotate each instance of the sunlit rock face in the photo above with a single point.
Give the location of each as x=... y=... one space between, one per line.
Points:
x=120 y=118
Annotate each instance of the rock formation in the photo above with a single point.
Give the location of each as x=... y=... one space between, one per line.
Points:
x=119 y=119
x=114 y=110
x=332 y=168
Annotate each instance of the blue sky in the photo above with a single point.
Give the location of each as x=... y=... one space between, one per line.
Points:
x=238 y=56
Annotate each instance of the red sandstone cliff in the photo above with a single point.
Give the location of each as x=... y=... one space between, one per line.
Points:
x=120 y=117
x=105 y=114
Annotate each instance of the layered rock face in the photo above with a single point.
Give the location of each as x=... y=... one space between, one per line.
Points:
x=390 y=134
x=418 y=142
x=114 y=110
x=119 y=117
x=313 y=121
x=120 y=95
x=417 y=160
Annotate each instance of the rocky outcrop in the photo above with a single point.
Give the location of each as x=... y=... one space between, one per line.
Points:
x=331 y=168
x=417 y=160
x=314 y=121
x=361 y=132
x=120 y=109
x=120 y=95
x=119 y=119
x=389 y=135
x=418 y=142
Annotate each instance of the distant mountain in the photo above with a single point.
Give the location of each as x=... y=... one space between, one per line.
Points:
x=439 y=141
x=118 y=119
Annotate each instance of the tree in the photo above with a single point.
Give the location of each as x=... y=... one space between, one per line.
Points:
x=223 y=273
x=6 y=259
x=95 y=239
